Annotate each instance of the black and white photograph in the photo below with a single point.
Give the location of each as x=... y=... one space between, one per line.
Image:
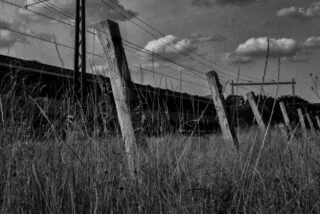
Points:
x=159 y=106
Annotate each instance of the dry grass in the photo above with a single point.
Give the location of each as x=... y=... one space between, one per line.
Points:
x=83 y=172
x=180 y=174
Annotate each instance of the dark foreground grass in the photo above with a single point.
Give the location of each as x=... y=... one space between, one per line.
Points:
x=179 y=174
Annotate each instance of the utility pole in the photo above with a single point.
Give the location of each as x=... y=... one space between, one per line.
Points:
x=80 y=51
x=293 y=87
x=232 y=87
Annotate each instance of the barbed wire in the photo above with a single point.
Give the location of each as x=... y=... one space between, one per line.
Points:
x=129 y=44
x=162 y=34
x=65 y=15
x=126 y=43
x=172 y=77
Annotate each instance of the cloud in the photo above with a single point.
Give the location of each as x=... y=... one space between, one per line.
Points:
x=100 y=70
x=207 y=3
x=169 y=47
x=288 y=49
x=256 y=48
x=300 y=57
x=174 y=48
x=301 y=13
x=97 y=10
x=149 y=65
x=232 y=58
x=312 y=42
x=200 y=38
x=9 y=38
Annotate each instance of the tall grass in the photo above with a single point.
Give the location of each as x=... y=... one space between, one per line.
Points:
x=82 y=172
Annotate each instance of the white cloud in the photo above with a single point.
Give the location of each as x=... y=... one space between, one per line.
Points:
x=199 y=38
x=232 y=58
x=97 y=10
x=259 y=46
x=100 y=70
x=169 y=47
x=8 y=37
x=288 y=49
x=149 y=65
x=312 y=42
x=301 y=13
x=256 y=48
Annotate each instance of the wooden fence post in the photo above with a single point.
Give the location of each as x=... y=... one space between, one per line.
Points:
x=219 y=102
x=111 y=42
x=285 y=116
x=303 y=124
x=310 y=122
x=256 y=112
x=318 y=121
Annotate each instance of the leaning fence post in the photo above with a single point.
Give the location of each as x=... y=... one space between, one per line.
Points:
x=310 y=122
x=256 y=112
x=111 y=42
x=285 y=116
x=318 y=121
x=303 y=124
x=219 y=102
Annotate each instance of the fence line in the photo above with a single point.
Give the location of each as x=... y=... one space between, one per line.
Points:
x=93 y=33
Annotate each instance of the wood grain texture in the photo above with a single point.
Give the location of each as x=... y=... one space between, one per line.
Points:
x=111 y=42
x=310 y=122
x=256 y=112
x=302 y=122
x=220 y=106
x=285 y=116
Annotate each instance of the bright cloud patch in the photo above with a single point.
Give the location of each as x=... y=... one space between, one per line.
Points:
x=169 y=47
x=100 y=70
x=199 y=38
x=312 y=42
x=259 y=46
x=96 y=10
x=301 y=13
x=255 y=48
x=232 y=58
x=8 y=37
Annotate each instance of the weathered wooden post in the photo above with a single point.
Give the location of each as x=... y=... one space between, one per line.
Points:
x=285 y=116
x=256 y=112
x=303 y=124
x=232 y=87
x=318 y=121
x=310 y=122
x=219 y=102
x=141 y=75
x=111 y=42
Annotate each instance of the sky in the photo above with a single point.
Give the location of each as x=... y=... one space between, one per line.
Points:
x=188 y=38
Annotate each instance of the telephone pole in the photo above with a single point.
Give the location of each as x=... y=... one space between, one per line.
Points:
x=80 y=51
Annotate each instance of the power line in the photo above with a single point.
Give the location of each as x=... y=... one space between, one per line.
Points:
x=64 y=15
x=148 y=70
x=69 y=47
x=69 y=17
x=162 y=34
x=28 y=5
x=126 y=43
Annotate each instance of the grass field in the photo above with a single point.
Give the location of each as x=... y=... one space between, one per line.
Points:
x=179 y=174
